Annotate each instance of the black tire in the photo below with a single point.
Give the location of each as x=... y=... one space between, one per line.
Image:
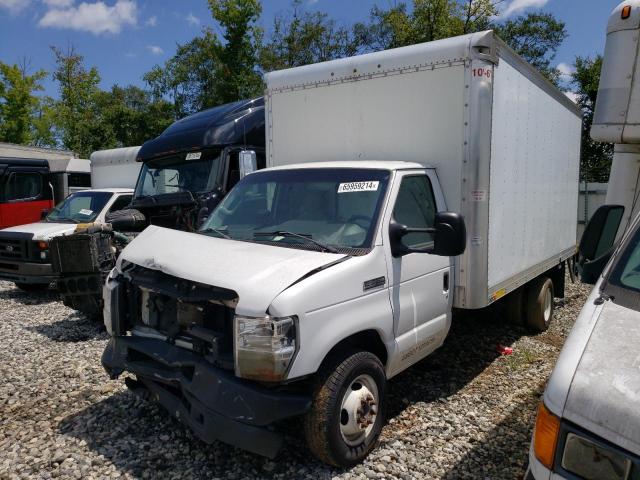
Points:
x=323 y=425
x=32 y=287
x=540 y=304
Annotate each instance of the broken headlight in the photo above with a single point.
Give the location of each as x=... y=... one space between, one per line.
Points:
x=264 y=346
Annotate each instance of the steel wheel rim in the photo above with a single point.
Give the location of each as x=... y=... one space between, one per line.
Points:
x=359 y=410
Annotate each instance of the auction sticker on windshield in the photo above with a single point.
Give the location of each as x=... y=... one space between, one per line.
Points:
x=358 y=187
x=85 y=211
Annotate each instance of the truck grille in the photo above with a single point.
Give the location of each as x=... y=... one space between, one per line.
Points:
x=13 y=248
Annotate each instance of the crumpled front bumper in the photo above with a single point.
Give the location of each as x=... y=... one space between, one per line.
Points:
x=212 y=402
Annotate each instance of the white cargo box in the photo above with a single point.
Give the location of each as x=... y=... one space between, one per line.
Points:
x=115 y=168
x=504 y=141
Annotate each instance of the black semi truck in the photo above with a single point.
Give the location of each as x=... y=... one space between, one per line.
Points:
x=186 y=171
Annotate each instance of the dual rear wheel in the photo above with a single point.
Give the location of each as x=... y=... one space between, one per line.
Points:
x=532 y=304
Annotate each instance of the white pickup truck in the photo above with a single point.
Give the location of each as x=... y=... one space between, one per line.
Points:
x=316 y=280
x=24 y=249
x=588 y=426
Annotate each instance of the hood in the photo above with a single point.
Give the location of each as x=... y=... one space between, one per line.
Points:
x=43 y=230
x=256 y=272
x=605 y=392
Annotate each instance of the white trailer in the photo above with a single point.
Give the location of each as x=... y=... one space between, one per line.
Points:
x=115 y=168
x=504 y=141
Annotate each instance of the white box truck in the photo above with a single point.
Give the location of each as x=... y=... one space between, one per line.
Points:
x=316 y=280
x=115 y=168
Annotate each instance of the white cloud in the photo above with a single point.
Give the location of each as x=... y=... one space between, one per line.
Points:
x=152 y=21
x=96 y=17
x=517 y=6
x=14 y=6
x=130 y=55
x=58 y=3
x=155 y=50
x=565 y=71
x=573 y=96
x=192 y=20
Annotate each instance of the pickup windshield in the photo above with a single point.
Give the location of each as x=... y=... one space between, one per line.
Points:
x=315 y=208
x=79 y=207
x=175 y=175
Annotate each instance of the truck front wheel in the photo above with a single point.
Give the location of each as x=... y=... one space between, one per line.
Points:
x=540 y=304
x=348 y=407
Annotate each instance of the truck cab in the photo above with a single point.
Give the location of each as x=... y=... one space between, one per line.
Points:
x=25 y=255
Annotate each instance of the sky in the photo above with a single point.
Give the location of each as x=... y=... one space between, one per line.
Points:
x=124 y=39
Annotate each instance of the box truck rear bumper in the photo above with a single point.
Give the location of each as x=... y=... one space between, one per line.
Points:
x=212 y=402
x=26 y=272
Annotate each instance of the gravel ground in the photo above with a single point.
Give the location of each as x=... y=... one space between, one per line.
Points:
x=464 y=412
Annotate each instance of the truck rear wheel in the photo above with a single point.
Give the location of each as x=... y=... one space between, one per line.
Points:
x=32 y=287
x=348 y=407
x=540 y=304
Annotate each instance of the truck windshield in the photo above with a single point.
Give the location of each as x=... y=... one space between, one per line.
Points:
x=79 y=207
x=175 y=174
x=315 y=208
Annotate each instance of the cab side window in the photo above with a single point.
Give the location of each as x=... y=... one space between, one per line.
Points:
x=416 y=208
x=24 y=186
x=121 y=203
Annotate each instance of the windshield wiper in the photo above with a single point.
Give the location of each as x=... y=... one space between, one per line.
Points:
x=220 y=231
x=303 y=236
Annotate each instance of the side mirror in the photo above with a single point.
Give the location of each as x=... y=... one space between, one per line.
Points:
x=248 y=162
x=598 y=241
x=449 y=236
x=44 y=213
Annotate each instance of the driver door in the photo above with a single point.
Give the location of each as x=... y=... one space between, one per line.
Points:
x=419 y=282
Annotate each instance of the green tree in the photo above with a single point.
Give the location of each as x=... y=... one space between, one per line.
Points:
x=236 y=75
x=428 y=20
x=18 y=103
x=208 y=71
x=595 y=159
x=301 y=37
x=132 y=116
x=43 y=124
x=187 y=78
x=536 y=37
x=77 y=112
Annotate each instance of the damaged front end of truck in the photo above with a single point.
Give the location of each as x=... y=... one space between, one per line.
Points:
x=177 y=337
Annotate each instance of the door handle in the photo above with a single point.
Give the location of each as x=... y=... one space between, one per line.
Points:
x=445 y=282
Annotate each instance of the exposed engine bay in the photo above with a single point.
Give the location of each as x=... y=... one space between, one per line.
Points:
x=183 y=313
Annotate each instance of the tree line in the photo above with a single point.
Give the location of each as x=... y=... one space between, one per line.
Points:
x=215 y=68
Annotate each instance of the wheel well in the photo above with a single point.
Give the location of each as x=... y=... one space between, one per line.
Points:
x=367 y=340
